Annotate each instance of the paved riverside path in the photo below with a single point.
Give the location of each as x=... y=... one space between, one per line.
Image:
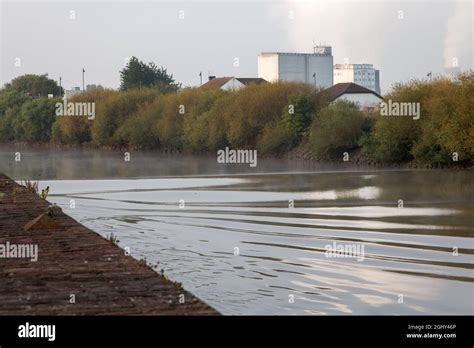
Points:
x=74 y=260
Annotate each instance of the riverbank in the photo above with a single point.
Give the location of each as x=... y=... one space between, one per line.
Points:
x=74 y=271
x=356 y=158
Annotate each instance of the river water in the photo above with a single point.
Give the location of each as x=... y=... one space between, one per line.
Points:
x=259 y=240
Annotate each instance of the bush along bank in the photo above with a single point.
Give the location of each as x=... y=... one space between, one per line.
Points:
x=277 y=119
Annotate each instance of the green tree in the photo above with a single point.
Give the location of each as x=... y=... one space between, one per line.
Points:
x=337 y=129
x=447 y=123
x=35 y=85
x=250 y=109
x=7 y=123
x=138 y=74
x=197 y=123
x=10 y=98
x=298 y=115
x=35 y=120
x=77 y=130
x=276 y=138
x=112 y=113
x=18 y=120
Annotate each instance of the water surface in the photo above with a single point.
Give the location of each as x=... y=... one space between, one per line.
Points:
x=254 y=240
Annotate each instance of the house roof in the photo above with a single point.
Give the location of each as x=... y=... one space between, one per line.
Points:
x=339 y=89
x=248 y=80
x=218 y=82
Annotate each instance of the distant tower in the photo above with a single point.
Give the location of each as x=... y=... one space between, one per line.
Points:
x=299 y=67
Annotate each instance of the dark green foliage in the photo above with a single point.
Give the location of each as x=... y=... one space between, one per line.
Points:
x=112 y=113
x=445 y=126
x=298 y=115
x=34 y=121
x=198 y=120
x=337 y=129
x=34 y=85
x=275 y=139
x=138 y=74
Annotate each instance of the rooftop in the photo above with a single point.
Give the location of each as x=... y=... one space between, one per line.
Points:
x=296 y=54
x=347 y=87
x=218 y=82
x=352 y=66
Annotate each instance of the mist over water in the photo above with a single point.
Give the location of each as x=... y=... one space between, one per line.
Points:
x=254 y=240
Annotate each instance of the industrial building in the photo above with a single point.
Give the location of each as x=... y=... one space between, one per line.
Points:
x=361 y=74
x=313 y=68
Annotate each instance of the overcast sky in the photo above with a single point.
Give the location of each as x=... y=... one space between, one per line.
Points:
x=404 y=39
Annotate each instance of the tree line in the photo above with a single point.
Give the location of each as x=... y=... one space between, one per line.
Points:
x=273 y=118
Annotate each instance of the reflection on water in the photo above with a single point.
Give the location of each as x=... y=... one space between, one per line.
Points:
x=256 y=244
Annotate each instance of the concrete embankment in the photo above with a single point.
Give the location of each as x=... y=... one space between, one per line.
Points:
x=74 y=271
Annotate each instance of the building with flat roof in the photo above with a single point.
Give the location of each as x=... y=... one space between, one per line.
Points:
x=362 y=74
x=314 y=68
